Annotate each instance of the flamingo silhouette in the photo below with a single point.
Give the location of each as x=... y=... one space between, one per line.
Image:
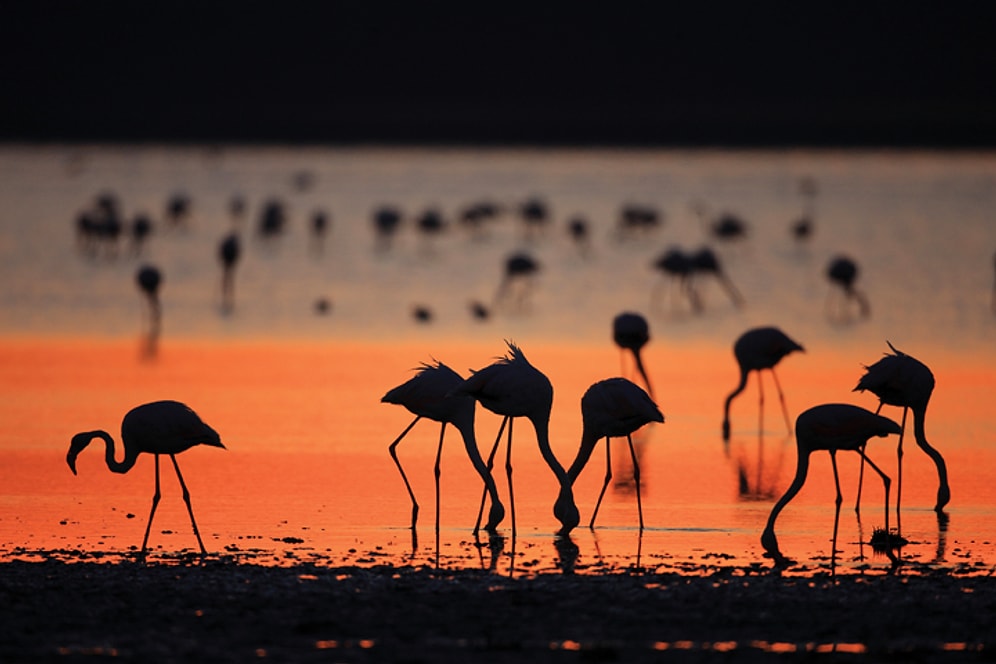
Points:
x=160 y=427
x=631 y=332
x=149 y=279
x=429 y=394
x=229 y=252
x=613 y=407
x=757 y=349
x=516 y=283
x=830 y=427
x=842 y=271
x=901 y=380
x=512 y=387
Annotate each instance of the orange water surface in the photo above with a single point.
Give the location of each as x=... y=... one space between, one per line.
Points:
x=306 y=474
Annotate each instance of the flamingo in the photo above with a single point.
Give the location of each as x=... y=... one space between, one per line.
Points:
x=613 y=407
x=842 y=271
x=520 y=268
x=229 y=251
x=757 y=349
x=428 y=395
x=830 y=427
x=512 y=387
x=631 y=332
x=901 y=380
x=160 y=427
x=149 y=279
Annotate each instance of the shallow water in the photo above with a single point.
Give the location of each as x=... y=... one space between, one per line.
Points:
x=295 y=395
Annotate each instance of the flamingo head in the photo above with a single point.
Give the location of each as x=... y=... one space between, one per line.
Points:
x=77 y=445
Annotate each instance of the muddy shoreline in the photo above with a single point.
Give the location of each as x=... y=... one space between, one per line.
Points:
x=228 y=611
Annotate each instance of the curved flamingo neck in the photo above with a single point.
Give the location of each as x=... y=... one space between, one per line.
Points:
x=542 y=427
x=733 y=395
x=123 y=466
x=919 y=432
x=585 y=450
x=768 y=539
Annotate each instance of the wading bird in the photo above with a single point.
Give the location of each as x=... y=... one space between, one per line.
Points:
x=612 y=407
x=149 y=279
x=901 y=380
x=512 y=387
x=428 y=395
x=830 y=427
x=228 y=253
x=160 y=427
x=631 y=332
x=843 y=272
x=757 y=349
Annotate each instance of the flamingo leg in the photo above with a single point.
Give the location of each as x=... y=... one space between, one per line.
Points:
x=760 y=403
x=899 y=460
x=155 y=502
x=887 y=483
x=781 y=397
x=436 y=473
x=186 y=499
x=861 y=473
x=508 y=473
x=636 y=478
x=608 y=478
x=394 y=455
x=836 y=514
x=490 y=465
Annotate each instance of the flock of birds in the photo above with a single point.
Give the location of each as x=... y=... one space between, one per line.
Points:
x=616 y=407
x=102 y=227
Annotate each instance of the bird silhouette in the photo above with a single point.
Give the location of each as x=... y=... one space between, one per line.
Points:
x=229 y=251
x=160 y=427
x=149 y=280
x=842 y=272
x=830 y=427
x=676 y=265
x=517 y=281
x=609 y=408
x=804 y=225
x=706 y=262
x=901 y=380
x=757 y=349
x=631 y=332
x=512 y=387
x=429 y=394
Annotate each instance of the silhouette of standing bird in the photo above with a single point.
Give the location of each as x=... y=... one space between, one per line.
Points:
x=428 y=395
x=830 y=427
x=901 y=380
x=229 y=252
x=149 y=279
x=516 y=283
x=613 y=407
x=512 y=387
x=757 y=349
x=160 y=427
x=631 y=332
x=843 y=272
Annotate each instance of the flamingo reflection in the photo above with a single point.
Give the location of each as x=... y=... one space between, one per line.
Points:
x=161 y=427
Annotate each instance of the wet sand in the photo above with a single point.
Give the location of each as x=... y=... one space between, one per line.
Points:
x=222 y=610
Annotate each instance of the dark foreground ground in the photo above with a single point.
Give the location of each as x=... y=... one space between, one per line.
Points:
x=225 y=611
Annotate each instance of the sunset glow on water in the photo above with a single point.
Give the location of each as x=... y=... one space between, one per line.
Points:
x=306 y=473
